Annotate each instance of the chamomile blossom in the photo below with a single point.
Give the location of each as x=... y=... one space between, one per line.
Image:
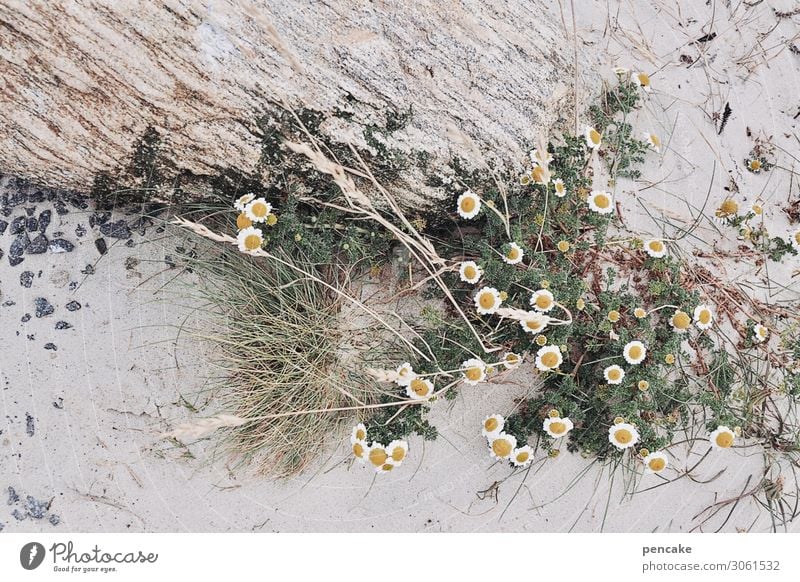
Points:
x=653 y=141
x=558 y=188
x=359 y=433
x=242 y=221
x=534 y=322
x=563 y=246
x=601 y=202
x=623 y=435
x=795 y=240
x=639 y=313
x=548 y=358
x=514 y=254
x=359 y=450
x=539 y=157
x=634 y=352
x=257 y=210
x=557 y=427
x=760 y=333
x=502 y=445
x=243 y=201
x=511 y=360
x=397 y=451
x=655 y=248
x=655 y=462
x=377 y=455
x=542 y=300
x=522 y=456
x=405 y=374
x=419 y=389
x=470 y=272
x=643 y=80
x=469 y=205
x=493 y=426
x=729 y=208
x=756 y=208
x=249 y=239
x=593 y=137
x=703 y=316
x=487 y=300
x=680 y=321
x=474 y=371
x=722 y=437
x=540 y=175
x=614 y=374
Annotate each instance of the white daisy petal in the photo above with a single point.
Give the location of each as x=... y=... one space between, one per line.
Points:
x=474 y=371
x=548 y=358
x=634 y=352
x=487 y=300
x=722 y=438
x=469 y=205
x=601 y=202
x=470 y=272
x=557 y=427
x=623 y=435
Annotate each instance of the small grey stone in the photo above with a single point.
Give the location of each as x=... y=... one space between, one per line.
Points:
x=26 y=318
x=14 y=261
x=30 y=428
x=89 y=270
x=26 y=279
x=60 y=245
x=3 y=226
x=54 y=519
x=80 y=231
x=32 y=224
x=63 y=325
x=18 y=225
x=43 y=307
x=36 y=509
x=101 y=245
x=73 y=306
x=44 y=220
x=18 y=515
x=37 y=246
x=61 y=208
x=12 y=496
x=117 y=229
x=51 y=346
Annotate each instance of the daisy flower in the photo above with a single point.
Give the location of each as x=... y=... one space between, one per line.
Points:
x=728 y=209
x=469 y=205
x=541 y=340
x=643 y=80
x=613 y=316
x=514 y=254
x=643 y=385
x=795 y=240
x=540 y=175
x=405 y=374
x=601 y=202
x=257 y=210
x=655 y=462
x=502 y=446
x=474 y=371
x=470 y=272
x=493 y=426
x=680 y=321
x=377 y=456
x=359 y=449
x=623 y=435
x=557 y=427
x=397 y=451
x=563 y=246
x=243 y=201
x=755 y=165
x=534 y=322
x=559 y=189
x=760 y=333
x=614 y=374
x=593 y=138
x=419 y=389
x=243 y=222
x=756 y=208
x=249 y=239
x=703 y=316
x=653 y=141
x=634 y=352
x=542 y=300
x=655 y=248
x=538 y=157
x=359 y=433
x=522 y=456
x=548 y=358
x=639 y=313
x=487 y=300
x=512 y=360
x=722 y=438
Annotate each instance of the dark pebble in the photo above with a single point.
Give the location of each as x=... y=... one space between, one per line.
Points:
x=54 y=519
x=73 y=306
x=99 y=218
x=36 y=197
x=62 y=325
x=37 y=246
x=89 y=270
x=73 y=285
x=30 y=211
x=29 y=426
x=3 y=226
x=117 y=229
x=32 y=224
x=51 y=346
x=80 y=231
x=44 y=220
x=18 y=515
x=12 y=496
x=61 y=208
x=26 y=279
x=101 y=246
x=26 y=318
x=18 y=225
x=79 y=202
x=59 y=403
x=129 y=243
x=17 y=247
x=36 y=509
x=43 y=307
x=60 y=245
x=14 y=261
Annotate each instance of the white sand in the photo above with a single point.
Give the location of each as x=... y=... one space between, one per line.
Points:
x=121 y=376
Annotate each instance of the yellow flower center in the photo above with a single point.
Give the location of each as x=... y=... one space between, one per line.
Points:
x=252 y=242
x=728 y=207
x=523 y=456
x=486 y=300
x=513 y=254
x=473 y=374
x=501 y=447
x=491 y=424
x=724 y=440
x=243 y=222
x=378 y=457
x=656 y=246
x=387 y=467
x=644 y=79
x=358 y=450
x=623 y=436
x=681 y=320
x=560 y=188
x=470 y=272
x=657 y=464
x=762 y=331
x=635 y=352
x=755 y=164
x=543 y=302
x=534 y=324
x=757 y=209
x=705 y=317
x=538 y=174
x=360 y=434
x=602 y=201
x=655 y=140
x=272 y=220
x=419 y=387
x=558 y=427
x=639 y=312
x=398 y=454
x=614 y=374
x=550 y=359
x=613 y=315
x=468 y=204
x=580 y=304
x=797 y=237
x=594 y=136
x=259 y=209
x=512 y=358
